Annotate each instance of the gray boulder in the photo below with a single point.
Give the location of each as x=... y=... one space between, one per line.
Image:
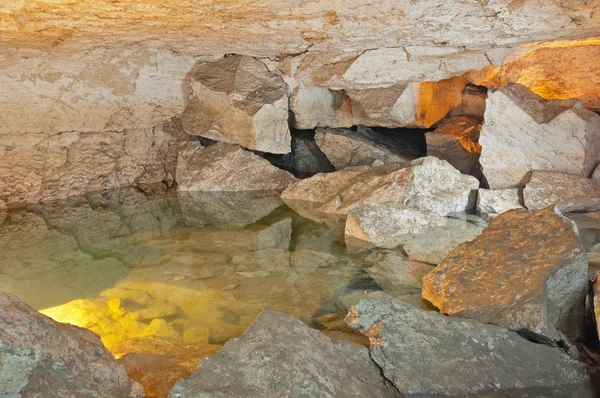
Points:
x=568 y=192
x=491 y=202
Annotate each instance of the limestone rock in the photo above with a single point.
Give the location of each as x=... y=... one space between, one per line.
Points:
x=567 y=191
x=41 y=357
x=536 y=281
x=396 y=274
x=229 y=168
x=456 y=140
x=280 y=356
x=491 y=202
x=467 y=358
x=305 y=160
x=320 y=107
x=305 y=258
x=427 y=184
x=239 y=101
x=344 y=147
x=386 y=225
x=523 y=132
x=596 y=174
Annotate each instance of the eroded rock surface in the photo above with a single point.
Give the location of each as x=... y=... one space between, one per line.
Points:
x=567 y=191
x=228 y=168
x=239 y=101
x=279 y=355
x=491 y=202
x=428 y=354
x=41 y=357
x=524 y=132
x=344 y=147
x=535 y=281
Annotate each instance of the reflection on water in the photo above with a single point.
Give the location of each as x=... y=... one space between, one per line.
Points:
x=172 y=278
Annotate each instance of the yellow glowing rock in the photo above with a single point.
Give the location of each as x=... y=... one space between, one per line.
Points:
x=160 y=328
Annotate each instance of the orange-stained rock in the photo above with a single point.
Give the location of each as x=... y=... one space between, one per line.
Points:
x=527 y=271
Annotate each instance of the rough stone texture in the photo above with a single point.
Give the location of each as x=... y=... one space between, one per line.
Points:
x=280 y=356
x=396 y=274
x=536 y=280
x=41 y=357
x=363 y=147
x=491 y=202
x=523 y=132
x=320 y=107
x=239 y=101
x=456 y=140
x=306 y=159
x=427 y=184
x=228 y=168
x=596 y=174
x=387 y=225
x=567 y=191
x=427 y=354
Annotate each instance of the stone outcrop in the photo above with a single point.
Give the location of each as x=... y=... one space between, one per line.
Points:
x=387 y=225
x=456 y=140
x=41 y=357
x=524 y=132
x=428 y=354
x=491 y=202
x=535 y=282
x=364 y=147
x=239 y=101
x=279 y=355
x=567 y=191
x=227 y=168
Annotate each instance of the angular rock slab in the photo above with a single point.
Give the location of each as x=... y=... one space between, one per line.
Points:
x=43 y=358
x=344 y=147
x=227 y=168
x=279 y=356
x=427 y=354
x=523 y=132
x=456 y=140
x=527 y=271
x=320 y=107
x=237 y=100
x=491 y=202
x=567 y=191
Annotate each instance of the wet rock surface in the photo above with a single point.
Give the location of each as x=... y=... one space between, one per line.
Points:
x=41 y=357
x=237 y=100
x=523 y=132
x=228 y=168
x=570 y=193
x=279 y=355
x=535 y=281
x=468 y=358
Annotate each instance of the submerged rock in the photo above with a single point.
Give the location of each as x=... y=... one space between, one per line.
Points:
x=527 y=271
x=524 y=132
x=491 y=202
x=427 y=354
x=344 y=147
x=567 y=191
x=456 y=140
x=41 y=357
x=280 y=356
x=228 y=168
x=237 y=100
x=396 y=274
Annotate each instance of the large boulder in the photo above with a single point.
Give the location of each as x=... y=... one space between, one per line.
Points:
x=227 y=168
x=567 y=191
x=43 y=358
x=527 y=271
x=456 y=140
x=345 y=147
x=315 y=106
x=280 y=356
x=427 y=354
x=491 y=202
x=236 y=99
x=524 y=132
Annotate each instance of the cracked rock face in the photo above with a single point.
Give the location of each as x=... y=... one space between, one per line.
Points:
x=227 y=168
x=280 y=356
x=427 y=354
x=41 y=357
x=523 y=132
x=568 y=192
x=535 y=281
x=239 y=101
x=364 y=147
